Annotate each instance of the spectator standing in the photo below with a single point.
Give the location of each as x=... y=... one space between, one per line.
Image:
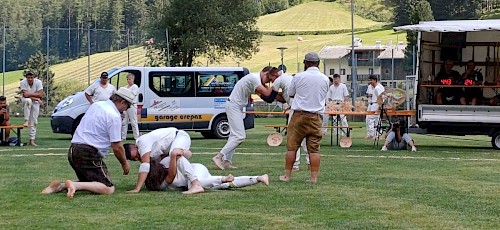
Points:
x=31 y=98
x=131 y=113
x=338 y=94
x=101 y=90
x=374 y=90
x=308 y=89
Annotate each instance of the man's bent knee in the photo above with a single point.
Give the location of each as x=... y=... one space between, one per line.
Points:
x=109 y=190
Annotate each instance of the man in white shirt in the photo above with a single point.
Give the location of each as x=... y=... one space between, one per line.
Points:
x=153 y=144
x=283 y=83
x=101 y=90
x=374 y=90
x=31 y=98
x=131 y=113
x=337 y=93
x=175 y=172
x=308 y=89
x=238 y=99
x=99 y=129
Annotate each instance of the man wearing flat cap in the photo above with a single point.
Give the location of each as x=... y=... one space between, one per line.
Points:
x=308 y=89
x=99 y=129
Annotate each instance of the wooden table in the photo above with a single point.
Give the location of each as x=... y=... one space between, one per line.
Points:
x=18 y=132
x=388 y=113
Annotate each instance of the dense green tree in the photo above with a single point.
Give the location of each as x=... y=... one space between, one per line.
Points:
x=412 y=12
x=223 y=28
x=456 y=9
x=273 y=6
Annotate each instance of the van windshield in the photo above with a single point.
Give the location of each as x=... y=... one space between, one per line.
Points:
x=112 y=71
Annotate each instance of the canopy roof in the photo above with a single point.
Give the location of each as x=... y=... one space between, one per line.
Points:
x=452 y=26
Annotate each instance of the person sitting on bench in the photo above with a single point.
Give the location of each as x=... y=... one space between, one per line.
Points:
x=4 y=117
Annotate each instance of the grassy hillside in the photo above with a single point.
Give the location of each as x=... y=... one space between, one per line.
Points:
x=268 y=53
x=313 y=16
x=305 y=17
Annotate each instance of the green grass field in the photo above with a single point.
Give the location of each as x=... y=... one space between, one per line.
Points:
x=313 y=16
x=450 y=183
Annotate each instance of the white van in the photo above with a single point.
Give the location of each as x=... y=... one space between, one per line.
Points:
x=188 y=98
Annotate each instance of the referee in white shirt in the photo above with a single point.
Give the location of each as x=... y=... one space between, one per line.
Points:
x=309 y=90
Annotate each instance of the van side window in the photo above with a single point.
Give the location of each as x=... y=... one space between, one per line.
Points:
x=171 y=84
x=210 y=84
x=120 y=79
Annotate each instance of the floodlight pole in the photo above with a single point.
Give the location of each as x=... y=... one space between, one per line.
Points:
x=3 y=61
x=282 y=49
x=354 y=75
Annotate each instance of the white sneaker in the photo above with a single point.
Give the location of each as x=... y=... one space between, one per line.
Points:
x=413 y=149
x=384 y=148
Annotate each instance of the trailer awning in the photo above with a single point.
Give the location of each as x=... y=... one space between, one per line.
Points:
x=452 y=26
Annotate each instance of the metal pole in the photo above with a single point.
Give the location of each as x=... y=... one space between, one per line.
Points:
x=3 y=60
x=392 y=69
x=47 y=70
x=168 y=48
x=354 y=74
x=413 y=60
x=128 y=47
x=88 y=54
x=89 y=5
x=298 y=65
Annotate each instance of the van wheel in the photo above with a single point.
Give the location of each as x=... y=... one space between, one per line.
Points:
x=207 y=134
x=220 y=128
x=495 y=140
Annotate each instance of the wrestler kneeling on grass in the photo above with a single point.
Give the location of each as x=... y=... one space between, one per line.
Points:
x=175 y=172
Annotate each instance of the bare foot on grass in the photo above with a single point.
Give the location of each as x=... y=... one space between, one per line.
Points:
x=284 y=178
x=193 y=190
x=312 y=180
x=228 y=178
x=71 y=189
x=53 y=187
x=264 y=179
x=228 y=165
x=218 y=161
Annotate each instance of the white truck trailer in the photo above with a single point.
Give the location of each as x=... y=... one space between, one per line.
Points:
x=460 y=41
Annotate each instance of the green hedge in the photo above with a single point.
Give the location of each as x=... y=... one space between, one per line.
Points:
x=323 y=32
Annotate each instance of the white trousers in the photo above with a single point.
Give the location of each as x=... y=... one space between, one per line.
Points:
x=342 y=121
x=130 y=116
x=296 y=164
x=31 y=111
x=237 y=133
x=187 y=172
x=372 y=120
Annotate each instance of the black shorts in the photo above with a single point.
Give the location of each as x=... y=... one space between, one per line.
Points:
x=88 y=165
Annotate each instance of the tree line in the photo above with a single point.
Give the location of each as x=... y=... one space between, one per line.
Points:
x=209 y=28
x=71 y=26
x=27 y=23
